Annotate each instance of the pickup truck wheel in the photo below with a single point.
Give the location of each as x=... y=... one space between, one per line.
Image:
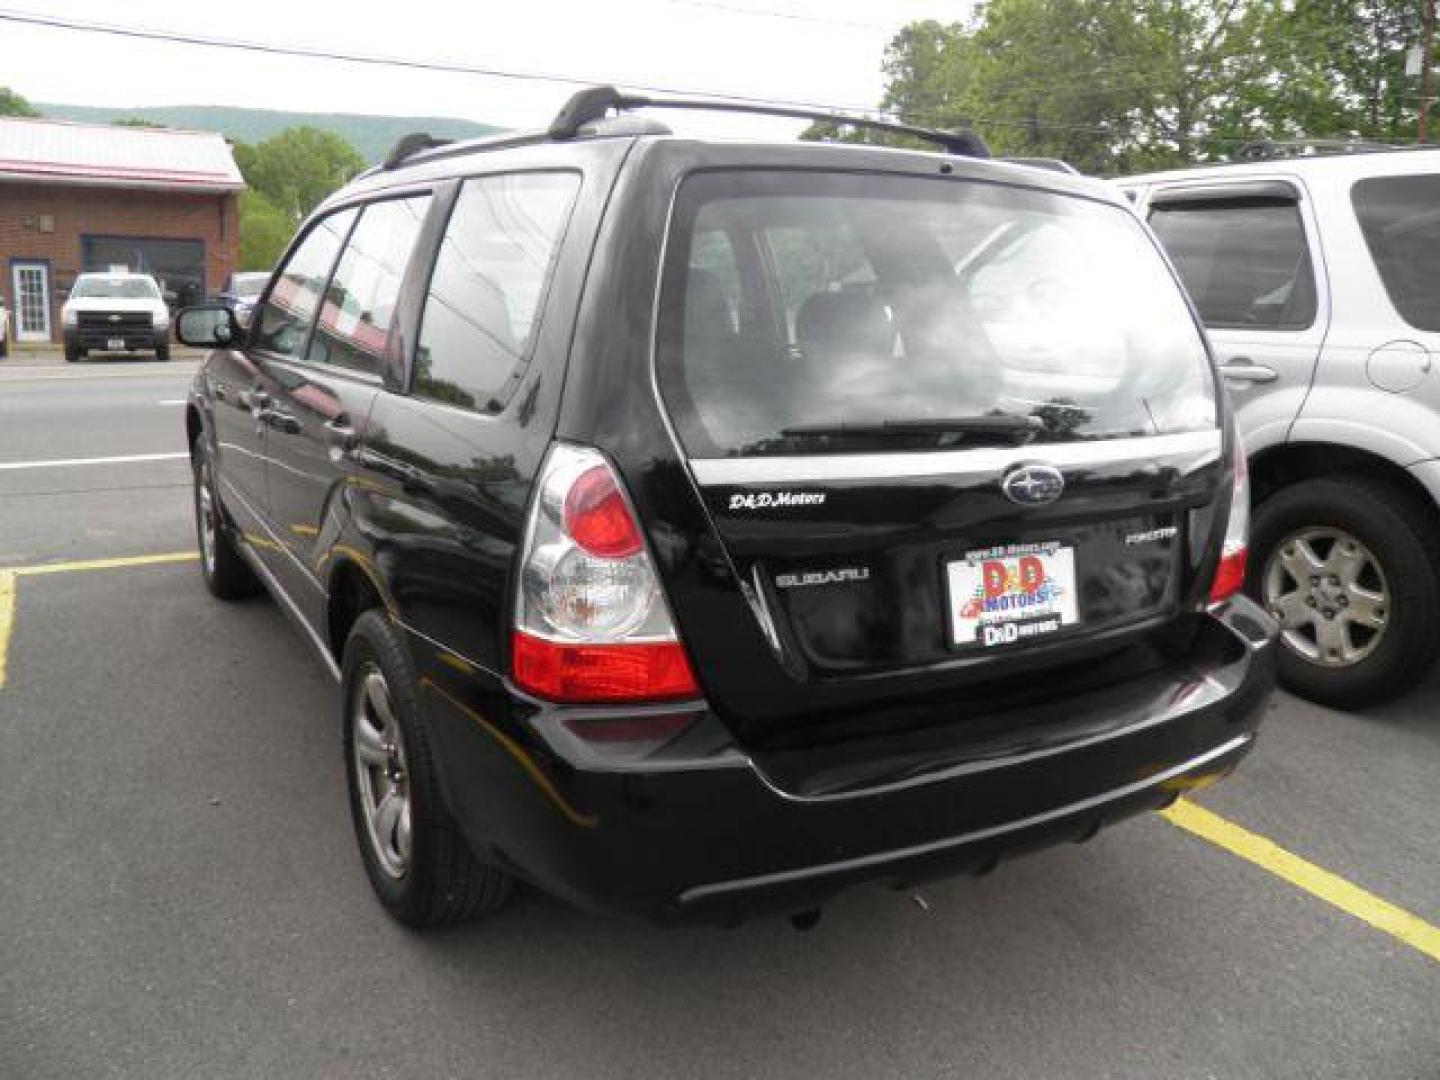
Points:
x=1343 y=564
x=421 y=868
x=162 y=352
x=226 y=573
x=72 y=353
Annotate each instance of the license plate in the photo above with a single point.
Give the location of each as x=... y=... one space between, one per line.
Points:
x=1004 y=595
x=115 y=343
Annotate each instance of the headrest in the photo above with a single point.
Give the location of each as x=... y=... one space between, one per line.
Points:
x=832 y=322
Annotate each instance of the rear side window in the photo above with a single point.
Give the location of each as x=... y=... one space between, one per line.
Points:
x=1400 y=217
x=285 y=318
x=798 y=305
x=1245 y=261
x=489 y=282
x=356 y=325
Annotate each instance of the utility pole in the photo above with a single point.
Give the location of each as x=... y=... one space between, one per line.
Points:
x=1427 y=66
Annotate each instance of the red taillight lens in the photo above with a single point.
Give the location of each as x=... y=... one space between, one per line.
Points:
x=597 y=518
x=1230 y=572
x=1229 y=576
x=580 y=672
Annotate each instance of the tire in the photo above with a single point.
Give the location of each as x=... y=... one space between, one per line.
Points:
x=1368 y=632
x=162 y=352
x=224 y=570
x=4 y=346
x=434 y=879
x=72 y=353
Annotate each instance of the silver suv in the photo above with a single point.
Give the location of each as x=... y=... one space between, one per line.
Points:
x=1318 y=277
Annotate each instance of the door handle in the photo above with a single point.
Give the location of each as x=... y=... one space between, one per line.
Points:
x=281 y=421
x=254 y=400
x=1242 y=369
x=340 y=437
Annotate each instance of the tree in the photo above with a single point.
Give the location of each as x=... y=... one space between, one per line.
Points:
x=1124 y=85
x=298 y=168
x=12 y=104
x=288 y=175
x=265 y=229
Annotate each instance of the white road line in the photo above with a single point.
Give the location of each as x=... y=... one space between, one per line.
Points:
x=13 y=375
x=57 y=463
x=172 y=401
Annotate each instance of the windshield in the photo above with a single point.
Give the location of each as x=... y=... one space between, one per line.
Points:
x=116 y=288
x=248 y=285
x=795 y=305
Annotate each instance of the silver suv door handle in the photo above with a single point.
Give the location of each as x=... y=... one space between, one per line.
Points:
x=1242 y=370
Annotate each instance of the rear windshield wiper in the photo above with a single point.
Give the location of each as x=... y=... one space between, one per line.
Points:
x=1019 y=429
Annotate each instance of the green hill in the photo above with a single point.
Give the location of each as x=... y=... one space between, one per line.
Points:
x=371 y=135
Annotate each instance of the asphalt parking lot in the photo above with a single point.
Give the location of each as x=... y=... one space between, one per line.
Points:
x=182 y=898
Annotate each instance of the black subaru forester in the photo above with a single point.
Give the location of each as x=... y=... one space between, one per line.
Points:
x=696 y=529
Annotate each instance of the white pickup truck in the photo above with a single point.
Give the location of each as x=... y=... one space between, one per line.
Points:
x=115 y=312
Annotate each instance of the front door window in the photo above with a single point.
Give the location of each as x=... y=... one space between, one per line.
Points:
x=32 y=301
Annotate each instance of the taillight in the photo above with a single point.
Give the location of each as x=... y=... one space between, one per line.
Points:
x=1230 y=573
x=591 y=622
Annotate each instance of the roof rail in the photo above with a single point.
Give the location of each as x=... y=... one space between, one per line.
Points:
x=409 y=146
x=1052 y=164
x=1276 y=149
x=593 y=103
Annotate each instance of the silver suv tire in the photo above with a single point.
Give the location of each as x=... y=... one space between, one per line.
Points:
x=1345 y=565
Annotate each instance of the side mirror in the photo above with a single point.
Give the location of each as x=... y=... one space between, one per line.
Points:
x=208 y=326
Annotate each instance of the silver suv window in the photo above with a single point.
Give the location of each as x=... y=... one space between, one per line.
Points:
x=795 y=305
x=1400 y=217
x=1245 y=261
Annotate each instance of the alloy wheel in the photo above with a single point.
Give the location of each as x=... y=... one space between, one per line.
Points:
x=205 y=516
x=383 y=783
x=1330 y=595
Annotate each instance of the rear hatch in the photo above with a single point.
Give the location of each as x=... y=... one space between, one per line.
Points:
x=938 y=425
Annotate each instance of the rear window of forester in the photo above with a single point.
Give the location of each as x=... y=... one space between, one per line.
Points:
x=794 y=303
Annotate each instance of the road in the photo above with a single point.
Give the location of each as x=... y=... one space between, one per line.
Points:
x=182 y=897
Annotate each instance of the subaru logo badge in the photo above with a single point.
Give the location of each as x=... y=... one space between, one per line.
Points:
x=1033 y=485
x=114 y=318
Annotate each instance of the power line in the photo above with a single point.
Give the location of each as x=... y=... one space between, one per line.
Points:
x=32 y=18
x=794 y=16
x=444 y=66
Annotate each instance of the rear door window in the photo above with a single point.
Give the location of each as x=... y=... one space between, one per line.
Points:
x=1245 y=261
x=1400 y=217
x=284 y=319
x=488 y=285
x=357 y=320
x=815 y=312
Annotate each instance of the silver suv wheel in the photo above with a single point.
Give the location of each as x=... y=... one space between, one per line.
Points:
x=1329 y=594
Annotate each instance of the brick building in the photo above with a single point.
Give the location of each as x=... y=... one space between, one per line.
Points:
x=77 y=197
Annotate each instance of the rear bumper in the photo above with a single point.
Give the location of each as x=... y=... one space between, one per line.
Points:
x=705 y=832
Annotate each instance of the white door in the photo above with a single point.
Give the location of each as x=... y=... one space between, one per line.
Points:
x=32 y=301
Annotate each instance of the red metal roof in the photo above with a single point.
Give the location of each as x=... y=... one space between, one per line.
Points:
x=110 y=155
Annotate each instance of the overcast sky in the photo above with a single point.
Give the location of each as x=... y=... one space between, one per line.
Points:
x=811 y=50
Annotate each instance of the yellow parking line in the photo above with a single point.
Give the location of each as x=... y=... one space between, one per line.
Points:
x=7 y=616
x=10 y=575
x=104 y=564
x=1334 y=890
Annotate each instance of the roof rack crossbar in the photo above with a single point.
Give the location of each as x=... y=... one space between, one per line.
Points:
x=593 y=103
